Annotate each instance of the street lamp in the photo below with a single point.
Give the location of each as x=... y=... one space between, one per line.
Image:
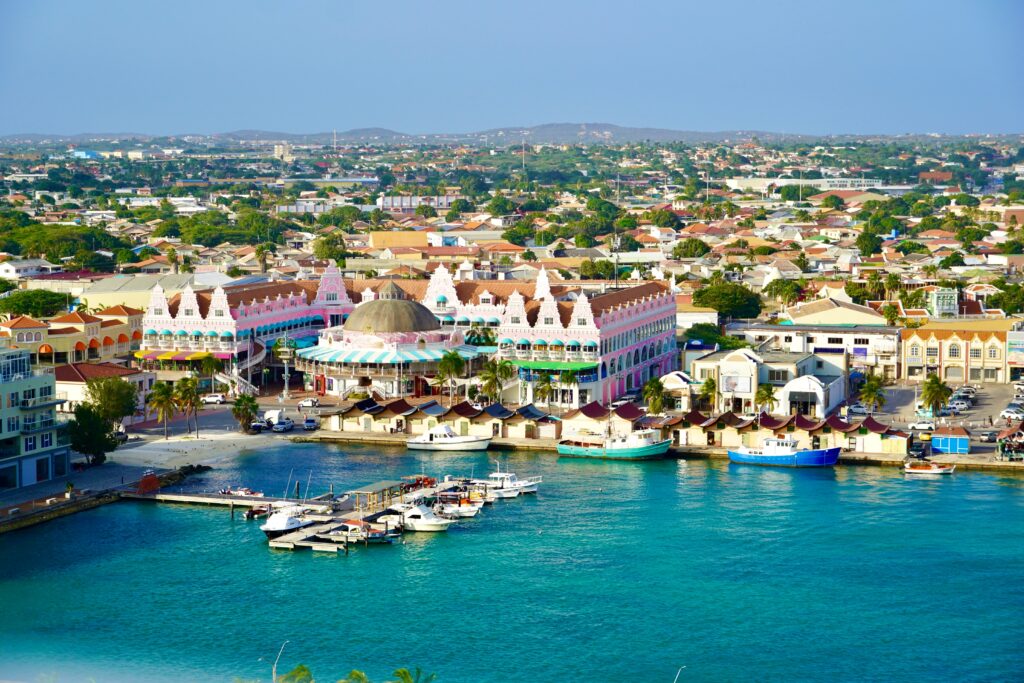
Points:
x=273 y=669
x=285 y=351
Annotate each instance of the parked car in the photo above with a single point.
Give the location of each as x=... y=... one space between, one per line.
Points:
x=924 y=426
x=620 y=402
x=918 y=449
x=310 y=424
x=257 y=426
x=121 y=436
x=988 y=437
x=285 y=424
x=960 y=406
x=857 y=409
x=218 y=399
x=311 y=402
x=1012 y=414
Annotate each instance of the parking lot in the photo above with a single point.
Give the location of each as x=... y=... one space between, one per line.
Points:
x=982 y=417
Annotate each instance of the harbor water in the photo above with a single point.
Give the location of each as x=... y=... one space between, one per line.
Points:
x=616 y=571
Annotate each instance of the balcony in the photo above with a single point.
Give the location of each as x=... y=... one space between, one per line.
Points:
x=44 y=401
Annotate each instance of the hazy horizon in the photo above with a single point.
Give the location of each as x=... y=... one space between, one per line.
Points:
x=790 y=67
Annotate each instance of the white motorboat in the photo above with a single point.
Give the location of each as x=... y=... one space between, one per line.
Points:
x=444 y=438
x=285 y=521
x=358 y=531
x=507 y=484
x=928 y=467
x=420 y=518
x=459 y=504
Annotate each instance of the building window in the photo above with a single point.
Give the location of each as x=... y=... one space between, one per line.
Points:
x=13 y=424
x=915 y=350
x=778 y=375
x=549 y=321
x=158 y=311
x=332 y=296
x=46 y=440
x=993 y=352
x=835 y=340
x=976 y=353
x=860 y=341
x=188 y=312
x=788 y=338
x=515 y=320
x=991 y=374
x=219 y=313
x=581 y=321
x=954 y=351
x=932 y=352
x=42 y=467
x=30 y=443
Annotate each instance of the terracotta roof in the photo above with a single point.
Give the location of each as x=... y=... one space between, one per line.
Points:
x=121 y=310
x=77 y=317
x=604 y=302
x=22 y=322
x=82 y=372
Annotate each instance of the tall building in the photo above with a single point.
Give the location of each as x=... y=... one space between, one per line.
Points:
x=33 y=443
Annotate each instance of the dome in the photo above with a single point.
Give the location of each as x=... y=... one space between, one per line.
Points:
x=391 y=313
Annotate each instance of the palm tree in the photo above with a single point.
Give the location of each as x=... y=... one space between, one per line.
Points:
x=875 y=285
x=872 y=392
x=262 y=252
x=654 y=393
x=480 y=336
x=405 y=676
x=543 y=387
x=244 y=409
x=709 y=391
x=494 y=375
x=931 y=270
x=186 y=394
x=172 y=259
x=892 y=285
x=211 y=365
x=161 y=398
x=449 y=368
x=569 y=379
x=765 y=397
x=355 y=676
x=935 y=393
x=891 y=313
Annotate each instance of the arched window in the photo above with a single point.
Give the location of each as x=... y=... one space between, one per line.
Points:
x=915 y=350
x=993 y=352
x=21 y=336
x=954 y=350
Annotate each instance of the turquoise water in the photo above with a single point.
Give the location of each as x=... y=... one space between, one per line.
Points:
x=617 y=571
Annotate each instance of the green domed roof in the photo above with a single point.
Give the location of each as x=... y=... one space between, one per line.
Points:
x=391 y=313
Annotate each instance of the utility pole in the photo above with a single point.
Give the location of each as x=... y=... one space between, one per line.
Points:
x=273 y=669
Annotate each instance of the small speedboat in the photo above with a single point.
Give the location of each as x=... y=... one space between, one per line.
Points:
x=444 y=438
x=458 y=504
x=240 y=491
x=257 y=511
x=928 y=467
x=507 y=484
x=285 y=521
x=418 y=517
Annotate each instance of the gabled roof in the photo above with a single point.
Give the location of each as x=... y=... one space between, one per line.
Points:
x=23 y=322
x=76 y=317
x=83 y=372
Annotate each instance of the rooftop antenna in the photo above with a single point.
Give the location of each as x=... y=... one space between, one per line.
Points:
x=335 y=140
x=524 y=157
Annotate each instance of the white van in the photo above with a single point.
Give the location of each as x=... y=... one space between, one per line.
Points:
x=276 y=415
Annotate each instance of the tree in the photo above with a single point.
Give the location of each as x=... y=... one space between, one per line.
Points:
x=869 y=243
x=891 y=313
x=162 y=400
x=802 y=262
x=709 y=391
x=654 y=393
x=494 y=375
x=765 y=397
x=172 y=258
x=262 y=252
x=691 y=247
x=796 y=193
x=449 y=368
x=244 y=410
x=405 y=676
x=37 y=303
x=710 y=335
x=568 y=379
x=543 y=387
x=953 y=260
x=935 y=393
x=426 y=211
x=210 y=366
x=528 y=255
x=833 y=201
x=875 y=285
x=893 y=283
x=730 y=300
x=90 y=433
x=786 y=291
x=113 y=398
x=300 y=674
x=872 y=392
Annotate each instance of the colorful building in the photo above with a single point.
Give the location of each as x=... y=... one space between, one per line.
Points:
x=958 y=352
x=33 y=442
x=77 y=337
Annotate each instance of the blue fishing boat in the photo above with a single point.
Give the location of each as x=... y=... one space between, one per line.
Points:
x=642 y=444
x=784 y=453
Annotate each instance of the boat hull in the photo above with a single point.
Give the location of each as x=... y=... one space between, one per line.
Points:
x=271 y=534
x=475 y=445
x=818 y=457
x=651 y=452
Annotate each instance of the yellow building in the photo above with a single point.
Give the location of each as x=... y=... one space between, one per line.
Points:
x=958 y=351
x=77 y=337
x=383 y=239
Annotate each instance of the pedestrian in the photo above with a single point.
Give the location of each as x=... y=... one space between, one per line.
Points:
x=990 y=422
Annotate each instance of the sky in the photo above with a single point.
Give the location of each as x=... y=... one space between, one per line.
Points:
x=441 y=66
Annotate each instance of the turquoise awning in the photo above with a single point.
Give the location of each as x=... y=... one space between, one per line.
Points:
x=556 y=342
x=378 y=356
x=211 y=333
x=150 y=331
x=227 y=335
x=181 y=333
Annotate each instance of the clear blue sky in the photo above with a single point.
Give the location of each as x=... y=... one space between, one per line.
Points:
x=800 y=66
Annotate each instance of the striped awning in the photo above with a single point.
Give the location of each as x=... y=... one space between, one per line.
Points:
x=380 y=356
x=222 y=356
x=197 y=355
x=147 y=355
x=166 y=356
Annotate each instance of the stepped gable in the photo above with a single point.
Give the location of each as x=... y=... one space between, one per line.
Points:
x=244 y=294
x=623 y=297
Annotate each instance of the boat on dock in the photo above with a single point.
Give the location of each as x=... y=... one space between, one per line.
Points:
x=642 y=444
x=284 y=521
x=784 y=453
x=459 y=503
x=417 y=517
x=444 y=438
x=240 y=491
x=507 y=484
x=359 y=531
x=927 y=468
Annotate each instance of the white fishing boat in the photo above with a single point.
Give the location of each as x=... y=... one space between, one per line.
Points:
x=507 y=484
x=926 y=467
x=459 y=504
x=642 y=444
x=419 y=518
x=285 y=521
x=444 y=438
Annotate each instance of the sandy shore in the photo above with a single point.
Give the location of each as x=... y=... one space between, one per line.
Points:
x=210 y=448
